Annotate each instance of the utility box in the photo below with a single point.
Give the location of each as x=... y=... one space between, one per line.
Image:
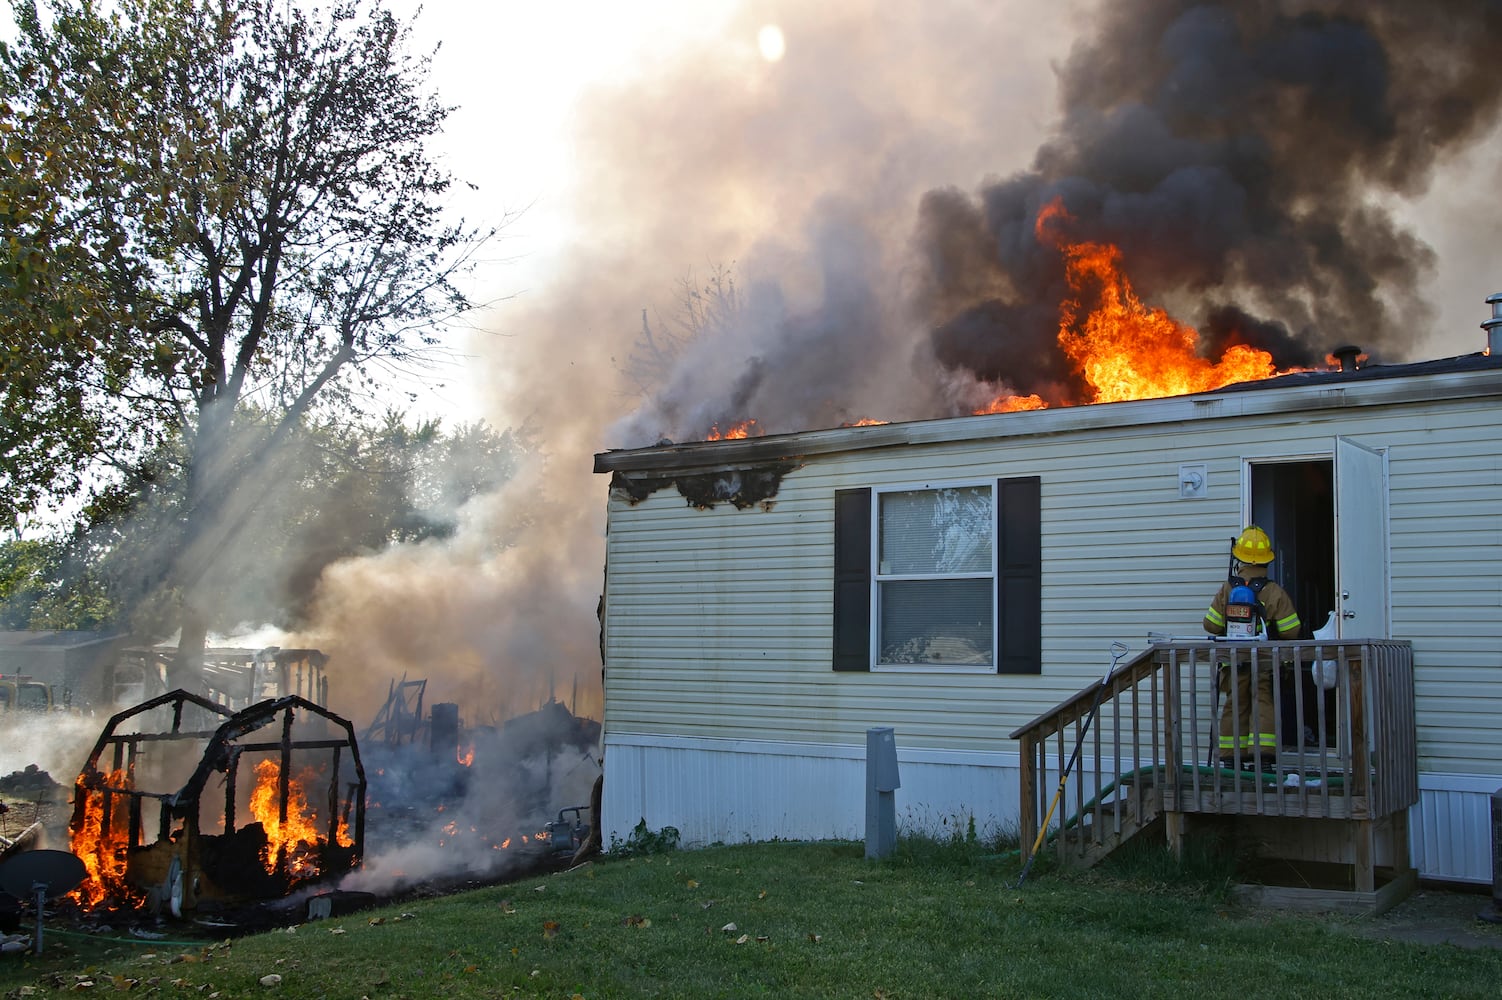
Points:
x=881 y=784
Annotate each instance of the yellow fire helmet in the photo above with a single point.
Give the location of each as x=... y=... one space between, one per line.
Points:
x=1253 y=546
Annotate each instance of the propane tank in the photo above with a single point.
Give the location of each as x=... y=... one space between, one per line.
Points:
x=1243 y=612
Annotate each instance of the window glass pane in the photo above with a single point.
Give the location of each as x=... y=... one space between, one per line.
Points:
x=936 y=621
x=937 y=531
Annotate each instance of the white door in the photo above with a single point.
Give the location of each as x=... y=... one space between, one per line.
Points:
x=1361 y=583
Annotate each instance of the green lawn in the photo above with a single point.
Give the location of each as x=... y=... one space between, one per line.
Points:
x=793 y=920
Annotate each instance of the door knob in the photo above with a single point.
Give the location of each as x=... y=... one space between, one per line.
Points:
x=1348 y=614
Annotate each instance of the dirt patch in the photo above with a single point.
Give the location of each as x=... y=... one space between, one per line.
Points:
x=1431 y=916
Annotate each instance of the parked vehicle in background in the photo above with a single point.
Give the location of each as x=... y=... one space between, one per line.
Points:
x=19 y=692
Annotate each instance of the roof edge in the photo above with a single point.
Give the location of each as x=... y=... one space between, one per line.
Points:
x=1274 y=398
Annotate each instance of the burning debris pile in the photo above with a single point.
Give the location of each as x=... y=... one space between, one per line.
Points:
x=237 y=818
x=454 y=802
x=185 y=807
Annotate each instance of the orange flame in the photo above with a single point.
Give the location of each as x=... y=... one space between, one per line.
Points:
x=1012 y=404
x=102 y=850
x=744 y=429
x=297 y=839
x=865 y=422
x=468 y=757
x=1123 y=348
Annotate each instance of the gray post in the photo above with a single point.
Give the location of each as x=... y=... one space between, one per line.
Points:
x=881 y=783
x=1494 y=914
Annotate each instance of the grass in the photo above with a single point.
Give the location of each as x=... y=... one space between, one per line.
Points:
x=935 y=920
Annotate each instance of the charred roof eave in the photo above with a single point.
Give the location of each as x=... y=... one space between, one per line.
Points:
x=1376 y=385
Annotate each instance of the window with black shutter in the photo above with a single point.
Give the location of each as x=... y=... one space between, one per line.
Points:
x=949 y=575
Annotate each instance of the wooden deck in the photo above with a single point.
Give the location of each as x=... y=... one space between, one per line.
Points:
x=1329 y=788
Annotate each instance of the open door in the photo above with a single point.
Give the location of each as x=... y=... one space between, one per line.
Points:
x=1361 y=541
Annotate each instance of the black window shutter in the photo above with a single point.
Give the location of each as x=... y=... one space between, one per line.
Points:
x=852 y=579
x=1019 y=575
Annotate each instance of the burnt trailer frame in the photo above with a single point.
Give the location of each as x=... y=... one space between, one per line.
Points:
x=183 y=866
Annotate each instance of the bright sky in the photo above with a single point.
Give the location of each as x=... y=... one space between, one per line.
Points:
x=516 y=72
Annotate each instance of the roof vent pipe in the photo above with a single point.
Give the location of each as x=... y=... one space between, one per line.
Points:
x=1347 y=356
x=1493 y=326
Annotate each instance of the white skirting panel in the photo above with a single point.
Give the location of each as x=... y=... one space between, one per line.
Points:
x=1450 y=830
x=739 y=791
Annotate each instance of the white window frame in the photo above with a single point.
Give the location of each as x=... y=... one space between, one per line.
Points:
x=878 y=578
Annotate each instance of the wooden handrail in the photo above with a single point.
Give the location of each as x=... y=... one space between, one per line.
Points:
x=1077 y=705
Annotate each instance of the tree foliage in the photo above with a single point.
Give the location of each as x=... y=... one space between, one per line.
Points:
x=222 y=226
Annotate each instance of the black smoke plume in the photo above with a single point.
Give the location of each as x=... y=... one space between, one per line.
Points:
x=1237 y=153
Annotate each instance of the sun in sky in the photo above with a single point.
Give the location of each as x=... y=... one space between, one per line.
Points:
x=769 y=39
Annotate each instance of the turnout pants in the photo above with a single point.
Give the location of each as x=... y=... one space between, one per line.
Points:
x=1248 y=724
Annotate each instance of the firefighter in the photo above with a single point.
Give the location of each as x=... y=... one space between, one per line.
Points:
x=1247 y=606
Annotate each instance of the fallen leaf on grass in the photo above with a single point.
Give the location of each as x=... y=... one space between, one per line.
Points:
x=815 y=938
x=336 y=930
x=377 y=921
x=636 y=920
x=541 y=887
x=550 y=928
x=506 y=906
x=272 y=980
x=730 y=928
x=762 y=894
x=706 y=904
x=693 y=883
x=743 y=939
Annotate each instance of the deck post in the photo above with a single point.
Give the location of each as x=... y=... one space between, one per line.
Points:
x=1366 y=852
x=1173 y=826
x=1027 y=821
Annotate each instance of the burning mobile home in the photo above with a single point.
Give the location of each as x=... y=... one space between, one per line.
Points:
x=750 y=646
x=287 y=806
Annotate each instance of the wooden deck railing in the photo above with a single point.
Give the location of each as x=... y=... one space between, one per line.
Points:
x=1342 y=749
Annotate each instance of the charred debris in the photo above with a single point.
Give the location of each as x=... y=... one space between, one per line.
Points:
x=266 y=815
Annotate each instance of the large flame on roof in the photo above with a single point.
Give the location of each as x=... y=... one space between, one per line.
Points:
x=1123 y=348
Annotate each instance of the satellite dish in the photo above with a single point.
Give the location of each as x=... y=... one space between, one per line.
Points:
x=40 y=876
